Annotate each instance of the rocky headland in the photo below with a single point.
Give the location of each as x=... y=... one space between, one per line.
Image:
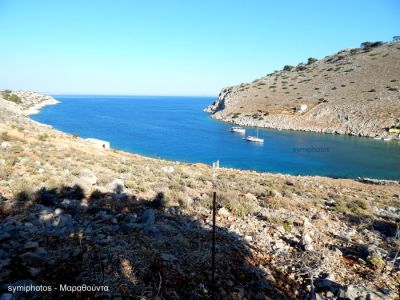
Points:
x=74 y=214
x=353 y=92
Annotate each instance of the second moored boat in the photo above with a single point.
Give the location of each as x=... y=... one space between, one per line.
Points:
x=238 y=129
x=254 y=139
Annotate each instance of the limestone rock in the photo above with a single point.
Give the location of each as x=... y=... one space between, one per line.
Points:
x=116 y=186
x=86 y=178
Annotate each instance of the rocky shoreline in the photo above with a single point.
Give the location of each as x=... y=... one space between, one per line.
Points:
x=26 y=103
x=353 y=92
x=33 y=102
x=363 y=128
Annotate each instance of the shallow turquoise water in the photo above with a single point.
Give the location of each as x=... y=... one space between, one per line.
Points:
x=176 y=128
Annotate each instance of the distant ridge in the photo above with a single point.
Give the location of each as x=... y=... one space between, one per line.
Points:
x=354 y=92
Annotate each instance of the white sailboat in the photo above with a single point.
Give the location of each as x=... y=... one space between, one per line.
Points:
x=238 y=129
x=254 y=139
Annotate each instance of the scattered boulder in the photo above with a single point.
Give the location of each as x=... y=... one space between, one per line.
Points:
x=116 y=186
x=388 y=212
x=168 y=169
x=248 y=238
x=330 y=203
x=306 y=238
x=86 y=178
x=4 y=145
x=361 y=292
x=223 y=212
x=251 y=197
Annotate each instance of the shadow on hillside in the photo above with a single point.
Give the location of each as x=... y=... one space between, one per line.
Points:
x=138 y=248
x=384 y=229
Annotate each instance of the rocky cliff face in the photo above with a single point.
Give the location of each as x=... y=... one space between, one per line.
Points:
x=355 y=92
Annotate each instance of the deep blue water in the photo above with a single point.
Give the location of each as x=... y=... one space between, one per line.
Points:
x=176 y=128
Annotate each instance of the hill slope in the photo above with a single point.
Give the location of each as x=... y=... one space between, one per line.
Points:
x=355 y=92
x=74 y=214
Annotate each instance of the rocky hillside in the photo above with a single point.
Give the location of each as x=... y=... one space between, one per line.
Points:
x=355 y=92
x=73 y=214
x=23 y=103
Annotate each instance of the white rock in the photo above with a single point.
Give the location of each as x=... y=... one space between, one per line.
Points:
x=248 y=238
x=4 y=145
x=86 y=177
x=116 y=186
x=168 y=169
x=223 y=212
x=251 y=197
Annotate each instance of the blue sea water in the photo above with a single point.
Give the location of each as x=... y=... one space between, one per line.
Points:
x=176 y=128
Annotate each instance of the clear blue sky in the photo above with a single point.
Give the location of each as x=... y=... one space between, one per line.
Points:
x=174 y=47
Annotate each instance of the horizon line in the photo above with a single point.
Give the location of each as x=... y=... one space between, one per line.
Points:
x=124 y=95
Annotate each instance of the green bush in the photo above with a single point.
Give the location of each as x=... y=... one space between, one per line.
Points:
x=5 y=95
x=235 y=115
x=5 y=136
x=43 y=137
x=13 y=98
x=236 y=204
x=301 y=67
x=376 y=262
x=288 y=68
x=368 y=45
x=311 y=60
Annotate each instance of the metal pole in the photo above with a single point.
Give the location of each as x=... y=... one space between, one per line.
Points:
x=213 y=247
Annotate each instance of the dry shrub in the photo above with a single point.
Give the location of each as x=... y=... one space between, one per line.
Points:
x=278 y=202
x=358 y=207
x=238 y=205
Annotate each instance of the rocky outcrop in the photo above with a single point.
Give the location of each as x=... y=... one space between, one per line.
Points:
x=26 y=103
x=354 y=92
x=32 y=102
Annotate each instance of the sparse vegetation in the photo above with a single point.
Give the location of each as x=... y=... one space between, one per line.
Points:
x=376 y=262
x=288 y=68
x=236 y=115
x=8 y=95
x=367 y=46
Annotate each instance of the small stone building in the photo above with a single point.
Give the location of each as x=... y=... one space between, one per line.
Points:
x=99 y=143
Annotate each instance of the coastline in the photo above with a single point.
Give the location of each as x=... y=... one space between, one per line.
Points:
x=281 y=122
x=373 y=180
x=36 y=108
